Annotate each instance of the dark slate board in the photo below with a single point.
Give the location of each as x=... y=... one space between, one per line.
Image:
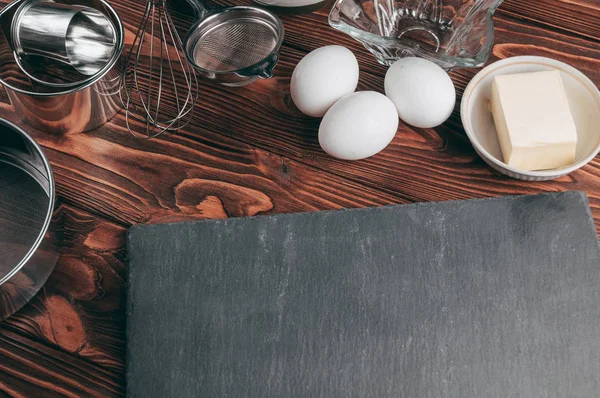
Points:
x=484 y=298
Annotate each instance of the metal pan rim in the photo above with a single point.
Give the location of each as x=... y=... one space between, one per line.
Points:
x=51 y=198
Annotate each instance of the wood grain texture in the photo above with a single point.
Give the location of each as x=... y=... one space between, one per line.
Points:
x=572 y=16
x=247 y=151
x=76 y=320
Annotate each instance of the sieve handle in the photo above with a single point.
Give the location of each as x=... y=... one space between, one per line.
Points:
x=200 y=9
x=264 y=70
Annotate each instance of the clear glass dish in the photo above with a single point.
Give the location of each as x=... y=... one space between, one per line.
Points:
x=451 y=33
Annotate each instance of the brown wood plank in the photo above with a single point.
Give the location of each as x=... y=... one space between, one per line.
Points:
x=579 y=17
x=31 y=369
x=248 y=151
x=129 y=180
x=72 y=334
x=425 y=165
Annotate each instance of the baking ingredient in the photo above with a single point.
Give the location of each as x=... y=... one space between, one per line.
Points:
x=533 y=120
x=322 y=77
x=422 y=91
x=358 y=126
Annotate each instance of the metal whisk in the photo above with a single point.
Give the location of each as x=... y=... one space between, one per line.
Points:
x=160 y=88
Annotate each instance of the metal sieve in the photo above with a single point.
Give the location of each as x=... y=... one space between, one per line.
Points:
x=28 y=250
x=234 y=46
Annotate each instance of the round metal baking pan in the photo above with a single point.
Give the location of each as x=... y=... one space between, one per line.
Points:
x=28 y=242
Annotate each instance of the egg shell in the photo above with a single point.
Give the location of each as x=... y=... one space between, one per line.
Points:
x=322 y=77
x=422 y=91
x=358 y=126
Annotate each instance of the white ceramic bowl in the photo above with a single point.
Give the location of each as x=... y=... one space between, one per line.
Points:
x=584 y=100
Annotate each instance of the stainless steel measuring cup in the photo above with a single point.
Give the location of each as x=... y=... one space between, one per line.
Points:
x=234 y=46
x=61 y=108
x=78 y=37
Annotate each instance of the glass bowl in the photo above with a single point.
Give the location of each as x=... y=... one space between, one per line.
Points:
x=451 y=33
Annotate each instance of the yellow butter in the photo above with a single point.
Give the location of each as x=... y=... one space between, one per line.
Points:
x=534 y=123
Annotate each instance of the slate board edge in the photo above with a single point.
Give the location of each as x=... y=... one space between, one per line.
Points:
x=581 y=195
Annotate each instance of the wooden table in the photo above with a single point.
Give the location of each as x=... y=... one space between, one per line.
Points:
x=248 y=151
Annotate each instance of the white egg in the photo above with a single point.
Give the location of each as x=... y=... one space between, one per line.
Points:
x=422 y=91
x=322 y=77
x=358 y=126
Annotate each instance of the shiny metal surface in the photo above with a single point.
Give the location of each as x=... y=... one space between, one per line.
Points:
x=59 y=108
x=156 y=68
x=234 y=46
x=29 y=238
x=77 y=40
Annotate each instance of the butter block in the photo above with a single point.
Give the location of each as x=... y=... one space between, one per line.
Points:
x=534 y=123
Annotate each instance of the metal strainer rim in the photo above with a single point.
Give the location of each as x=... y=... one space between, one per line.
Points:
x=192 y=38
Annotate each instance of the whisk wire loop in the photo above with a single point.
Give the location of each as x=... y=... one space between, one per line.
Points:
x=149 y=78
